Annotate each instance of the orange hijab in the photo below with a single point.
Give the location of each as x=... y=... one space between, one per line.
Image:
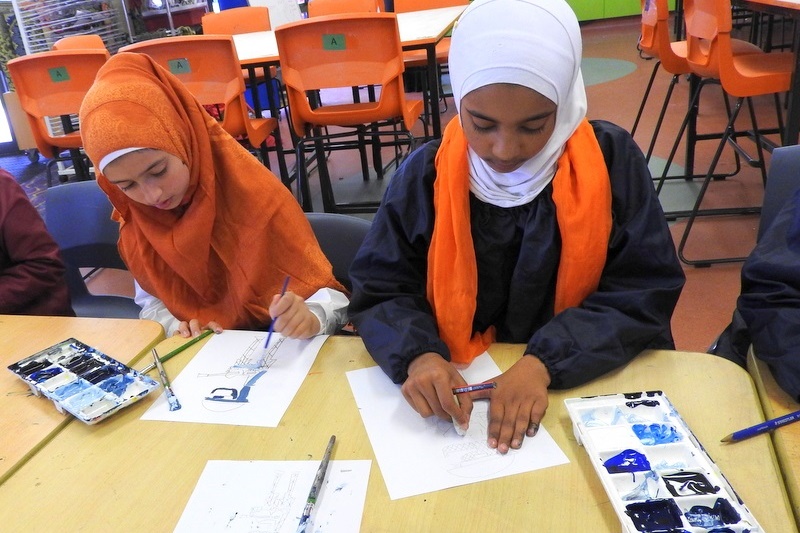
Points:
x=238 y=233
x=582 y=195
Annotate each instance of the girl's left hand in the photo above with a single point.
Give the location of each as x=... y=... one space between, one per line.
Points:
x=518 y=404
x=292 y=318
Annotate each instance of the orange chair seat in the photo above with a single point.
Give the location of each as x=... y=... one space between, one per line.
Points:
x=419 y=58
x=762 y=73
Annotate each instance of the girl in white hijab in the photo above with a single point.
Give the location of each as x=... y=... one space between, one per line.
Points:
x=526 y=223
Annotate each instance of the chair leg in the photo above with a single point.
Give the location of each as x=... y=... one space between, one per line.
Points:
x=645 y=97
x=696 y=211
x=661 y=116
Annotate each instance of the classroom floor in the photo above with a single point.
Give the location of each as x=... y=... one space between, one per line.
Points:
x=616 y=76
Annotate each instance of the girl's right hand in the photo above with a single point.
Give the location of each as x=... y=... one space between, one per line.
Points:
x=429 y=389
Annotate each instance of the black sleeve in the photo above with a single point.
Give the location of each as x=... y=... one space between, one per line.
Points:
x=639 y=287
x=389 y=306
x=770 y=298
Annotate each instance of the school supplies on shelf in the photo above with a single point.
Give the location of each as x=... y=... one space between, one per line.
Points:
x=656 y=473
x=82 y=380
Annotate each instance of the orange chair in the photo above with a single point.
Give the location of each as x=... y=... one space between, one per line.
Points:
x=209 y=67
x=73 y=42
x=710 y=54
x=335 y=51
x=655 y=41
x=319 y=8
x=419 y=58
x=247 y=19
x=51 y=86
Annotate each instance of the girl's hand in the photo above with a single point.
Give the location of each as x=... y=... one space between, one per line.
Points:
x=429 y=389
x=292 y=318
x=518 y=404
x=193 y=328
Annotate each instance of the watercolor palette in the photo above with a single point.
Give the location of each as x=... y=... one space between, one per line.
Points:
x=82 y=380
x=656 y=473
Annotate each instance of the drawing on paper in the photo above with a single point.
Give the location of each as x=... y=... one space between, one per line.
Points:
x=244 y=373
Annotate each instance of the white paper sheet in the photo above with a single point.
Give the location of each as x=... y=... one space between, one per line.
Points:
x=418 y=455
x=269 y=496
x=224 y=384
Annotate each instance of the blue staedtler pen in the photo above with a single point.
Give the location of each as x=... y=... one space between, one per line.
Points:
x=476 y=387
x=763 y=427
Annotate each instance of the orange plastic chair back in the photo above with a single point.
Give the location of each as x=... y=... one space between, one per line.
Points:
x=73 y=42
x=246 y=19
x=209 y=67
x=52 y=85
x=655 y=38
x=711 y=51
x=337 y=51
x=319 y=8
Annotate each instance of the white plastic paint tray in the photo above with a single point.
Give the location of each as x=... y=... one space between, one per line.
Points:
x=657 y=475
x=82 y=381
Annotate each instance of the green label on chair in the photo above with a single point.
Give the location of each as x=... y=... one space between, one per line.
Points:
x=333 y=41
x=179 y=66
x=58 y=74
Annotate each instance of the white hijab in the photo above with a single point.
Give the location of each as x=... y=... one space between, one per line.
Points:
x=532 y=43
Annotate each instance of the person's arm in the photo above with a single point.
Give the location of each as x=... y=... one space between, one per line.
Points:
x=31 y=270
x=770 y=299
x=389 y=306
x=330 y=308
x=639 y=287
x=154 y=309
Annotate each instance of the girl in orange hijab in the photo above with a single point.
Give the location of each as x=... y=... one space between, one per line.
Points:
x=209 y=234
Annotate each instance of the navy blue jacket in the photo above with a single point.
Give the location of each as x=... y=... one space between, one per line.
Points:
x=518 y=252
x=769 y=305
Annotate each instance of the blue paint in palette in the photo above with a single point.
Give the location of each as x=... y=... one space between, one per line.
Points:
x=627 y=461
x=721 y=514
x=652 y=434
x=82 y=380
x=655 y=515
x=658 y=476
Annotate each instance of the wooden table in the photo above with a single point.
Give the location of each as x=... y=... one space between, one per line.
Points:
x=138 y=475
x=790 y=9
x=26 y=422
x=418 y=30
x=775 y=402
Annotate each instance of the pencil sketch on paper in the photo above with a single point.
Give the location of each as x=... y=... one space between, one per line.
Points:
x=469 y=456
x=269 y=496
x=418 y=455
x=244 y=373
x=233 y=380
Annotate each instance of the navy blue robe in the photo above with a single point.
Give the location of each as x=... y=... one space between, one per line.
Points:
x=518 y=252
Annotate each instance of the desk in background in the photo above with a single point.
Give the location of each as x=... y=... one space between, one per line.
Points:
x=775 y=402
x=138 y=475
x=26 y=423
x=790 y=9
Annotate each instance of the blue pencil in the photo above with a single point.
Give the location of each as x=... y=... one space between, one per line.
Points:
x=271 y=325
x=763 y=427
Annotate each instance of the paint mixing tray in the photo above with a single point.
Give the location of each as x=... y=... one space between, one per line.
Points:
x=82 y=381
x=655 y=471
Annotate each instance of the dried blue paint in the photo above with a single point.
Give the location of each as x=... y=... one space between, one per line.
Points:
x=688 y=484
x=655 y=515
x=45 y=374
x=646 y=490
x=117 y=384
x=646 y=403
x=78 y=402
x=71 y=389
x=627 y=461
x=652 y=434
x=722 y=513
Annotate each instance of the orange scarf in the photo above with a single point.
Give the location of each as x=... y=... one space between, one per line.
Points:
x=239 y=232
x=582 y=195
